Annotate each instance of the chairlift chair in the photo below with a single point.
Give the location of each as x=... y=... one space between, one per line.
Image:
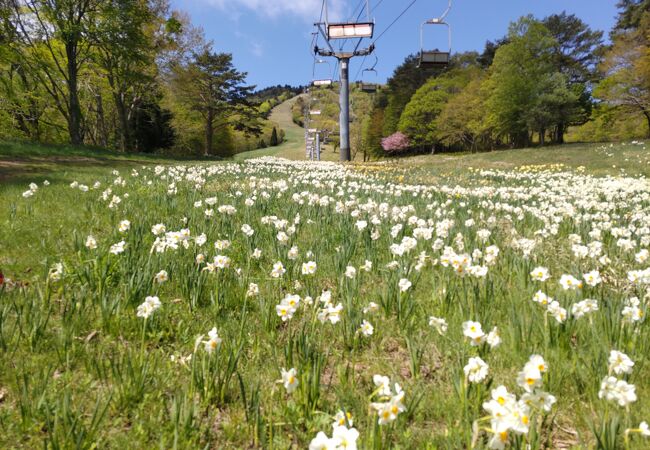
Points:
x=350 y=29
x=367 y=86
x=435 y=59
x=320 y=82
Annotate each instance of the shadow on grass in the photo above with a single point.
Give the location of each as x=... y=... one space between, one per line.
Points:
x=22 y=162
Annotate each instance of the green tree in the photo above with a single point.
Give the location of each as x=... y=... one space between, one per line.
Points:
x=626 y=86
x=418 y=121
x=274 y=138
x=462 y=119
x=21 y=97
x=576 y=54
x=630 y=15
x=211 y=86
x=554 y=102
x=52 y=42
x=125 y=51
x=517 y=78
x=406 y=79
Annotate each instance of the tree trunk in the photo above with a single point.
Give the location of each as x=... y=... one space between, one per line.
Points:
x=209 y=132
x=124 y=122
x=74 y=116
x=647 y=116
x=101 y=122
x=559 y=133
x=542 y=137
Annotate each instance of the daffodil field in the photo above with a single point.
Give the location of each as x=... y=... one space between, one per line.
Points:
x=279 y=304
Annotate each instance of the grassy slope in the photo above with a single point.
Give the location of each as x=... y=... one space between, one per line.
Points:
x=293 y=146
x=48 y=232
x=22 y=162
x=599 y=159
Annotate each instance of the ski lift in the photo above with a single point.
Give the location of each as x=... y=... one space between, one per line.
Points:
x=435 y=59
x=366 y=86
x=349 y=30
x=319 y=82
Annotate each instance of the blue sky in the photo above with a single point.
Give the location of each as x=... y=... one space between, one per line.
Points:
x=270 y=39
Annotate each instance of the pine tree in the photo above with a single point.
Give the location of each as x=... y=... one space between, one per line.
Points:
x=274 y=138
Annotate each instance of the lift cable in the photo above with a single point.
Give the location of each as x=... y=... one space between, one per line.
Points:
x=395 y=21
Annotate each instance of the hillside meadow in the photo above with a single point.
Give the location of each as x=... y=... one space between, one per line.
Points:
x=495 y=300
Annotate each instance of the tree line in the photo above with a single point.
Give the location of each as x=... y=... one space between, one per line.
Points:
x=544 y=79
x=131 y=75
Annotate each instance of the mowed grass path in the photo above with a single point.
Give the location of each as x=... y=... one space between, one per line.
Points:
x=293 y=146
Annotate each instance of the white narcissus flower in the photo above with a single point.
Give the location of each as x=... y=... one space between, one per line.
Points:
x=476 y=370
x=644 y=429
x=333 y=313
x=278 y=270
x=213 y=340
x=118 y=248
x=124 y=226
x=309 y=268
x=56 y=272
x=620 y=363
x=366 y=328
x=530 y=378
x=343 y=418
x=383 y=384
x=592 y=278
x=91 y=242
x=350 y=272
x=474 y=332
x=371 y=308
x=247 y=230
x=388 y=411
x=345 y=438
x=200 y=240
x=158 y=229
x=619 y=391
x=569 y=282
x=293 y=253
x=290 y=379
x=584 y=307
x=494 y=338
x=404 y=285
x=161 y=276
x=439 y=324
x=253 y=290
x=540 y=274
x=321 y=442
x=221 y=261
x=148 y=307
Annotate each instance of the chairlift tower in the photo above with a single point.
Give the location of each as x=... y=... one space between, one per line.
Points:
x=347 y=30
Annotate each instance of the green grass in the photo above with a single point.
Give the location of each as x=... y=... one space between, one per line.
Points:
x=81 y=370
x=23 y=162
x=596 y=159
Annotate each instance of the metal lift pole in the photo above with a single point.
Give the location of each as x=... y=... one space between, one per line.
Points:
x=344 y=117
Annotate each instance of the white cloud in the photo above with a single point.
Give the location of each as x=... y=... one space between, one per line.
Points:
x=308 y=10
x=257 y=49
